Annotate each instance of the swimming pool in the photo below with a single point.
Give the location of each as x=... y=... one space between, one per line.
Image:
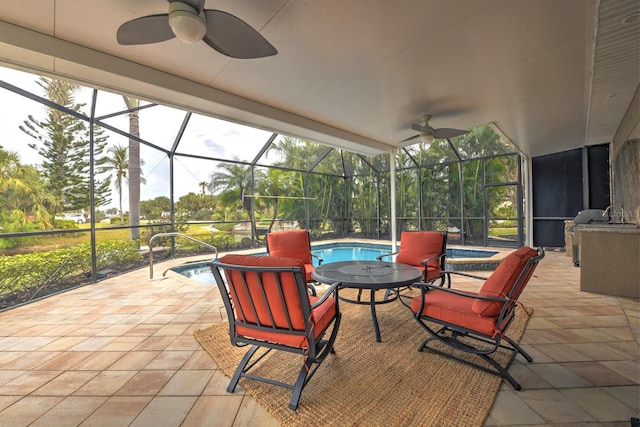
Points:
x=335 y=252
x=198 y=271
x=458 y=259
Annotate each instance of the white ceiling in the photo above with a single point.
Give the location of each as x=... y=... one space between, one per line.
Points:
x=552 y=75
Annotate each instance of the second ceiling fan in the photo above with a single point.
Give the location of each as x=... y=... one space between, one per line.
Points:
x=427 y=133
x=191 y=22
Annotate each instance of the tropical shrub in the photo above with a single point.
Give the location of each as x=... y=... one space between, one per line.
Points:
x=226 y=226
x=15 y=222
x=42 y=268
x=66 y=224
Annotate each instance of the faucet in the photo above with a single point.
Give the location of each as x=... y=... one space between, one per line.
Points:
x=610 y=208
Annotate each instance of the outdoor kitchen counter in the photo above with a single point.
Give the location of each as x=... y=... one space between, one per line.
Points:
x=610 y=260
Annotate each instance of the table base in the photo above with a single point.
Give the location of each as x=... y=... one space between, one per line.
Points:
x=372 y=303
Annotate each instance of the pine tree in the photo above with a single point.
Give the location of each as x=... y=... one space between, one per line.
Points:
x=63 y=142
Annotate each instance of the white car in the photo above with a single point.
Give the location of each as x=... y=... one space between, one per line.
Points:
x=78 y=218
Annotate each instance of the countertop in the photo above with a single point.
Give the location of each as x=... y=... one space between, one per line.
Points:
x=626 y=229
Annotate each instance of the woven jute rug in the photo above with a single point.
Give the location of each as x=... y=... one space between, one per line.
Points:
x=369 y=383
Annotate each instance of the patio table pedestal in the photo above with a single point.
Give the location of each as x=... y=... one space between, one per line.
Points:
x=371 y=275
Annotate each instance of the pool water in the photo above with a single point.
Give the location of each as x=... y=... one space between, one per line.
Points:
x=349 y=252
x=335 y=252
x=198 y=271
x=329 y=253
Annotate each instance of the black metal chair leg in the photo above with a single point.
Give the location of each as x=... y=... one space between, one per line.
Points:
x=501 y=371
x=241 y=367
x=312 y=290
x=518 y=348
x=299 y=385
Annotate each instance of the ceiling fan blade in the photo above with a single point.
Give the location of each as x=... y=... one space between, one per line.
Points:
x=445 y=133
x=404 y=141
x=421 y=128
x=233 y=37
x=144 y=30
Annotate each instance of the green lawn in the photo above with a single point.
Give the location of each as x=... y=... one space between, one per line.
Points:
x=44 y=243
x=507 y=231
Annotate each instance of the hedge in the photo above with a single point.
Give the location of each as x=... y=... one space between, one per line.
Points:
x=41 y=268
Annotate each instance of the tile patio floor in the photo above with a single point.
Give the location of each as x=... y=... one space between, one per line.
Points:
x=121 y=352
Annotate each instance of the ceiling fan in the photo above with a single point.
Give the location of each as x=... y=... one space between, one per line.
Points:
x=426 y=133
x=191 y=22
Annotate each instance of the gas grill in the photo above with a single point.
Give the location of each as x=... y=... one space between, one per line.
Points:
x=587 y=216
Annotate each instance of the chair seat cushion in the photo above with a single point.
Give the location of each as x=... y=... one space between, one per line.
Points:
x=321 y=317
x=501 y=281
x=454 y=309
x=432 y=273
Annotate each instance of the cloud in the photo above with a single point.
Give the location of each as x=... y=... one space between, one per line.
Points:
x=212 y=144
x=203 y=136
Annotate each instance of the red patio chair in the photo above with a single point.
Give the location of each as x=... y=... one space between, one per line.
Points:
x=476 y=323
x=294 y=244
x=426 y=250
x=269 y=308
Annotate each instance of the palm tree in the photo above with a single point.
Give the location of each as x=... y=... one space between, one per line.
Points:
x=299 y=154
x=234 y=184
x=203 y=185
x=23 y=194
x=118 y=162
x=276 y=182
x=9 y=162
x=135 y=174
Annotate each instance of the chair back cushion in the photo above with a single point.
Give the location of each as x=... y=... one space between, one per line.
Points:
x=416 y=246
x=250 y=300
x=502 y=280
x=291 y=244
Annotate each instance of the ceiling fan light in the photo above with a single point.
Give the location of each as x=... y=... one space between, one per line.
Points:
x=186 y=23
x=426 y=138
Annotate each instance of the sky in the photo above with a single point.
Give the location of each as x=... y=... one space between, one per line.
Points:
x=158 y=125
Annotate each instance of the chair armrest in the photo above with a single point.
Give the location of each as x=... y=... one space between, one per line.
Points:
x=317 y=257
x=379 y=257
x=426 y=260
x=333 y=289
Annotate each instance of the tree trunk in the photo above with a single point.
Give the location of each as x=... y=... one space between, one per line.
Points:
x=134 y=170
x=120 y=201
x=275 y=215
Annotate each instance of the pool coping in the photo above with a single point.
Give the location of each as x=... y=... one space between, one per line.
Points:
x=500 y=253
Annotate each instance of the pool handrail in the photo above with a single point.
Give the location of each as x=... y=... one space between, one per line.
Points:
x=174 y=234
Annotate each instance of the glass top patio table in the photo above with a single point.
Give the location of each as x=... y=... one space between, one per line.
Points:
x=372 y=275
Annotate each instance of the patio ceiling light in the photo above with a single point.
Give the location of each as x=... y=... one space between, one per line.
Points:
x=186 y=23
x=426 y=137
